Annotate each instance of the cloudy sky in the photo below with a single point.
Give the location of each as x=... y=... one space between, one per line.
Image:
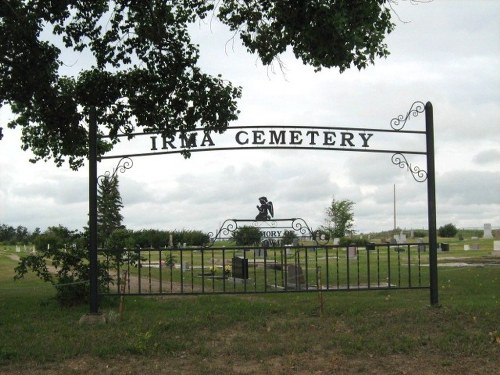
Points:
x=446 y=52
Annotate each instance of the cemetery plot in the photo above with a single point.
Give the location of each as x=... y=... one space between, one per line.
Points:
x=268 y=270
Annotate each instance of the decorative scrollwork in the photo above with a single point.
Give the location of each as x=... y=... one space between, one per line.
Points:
x=227 y=228
x=123 y=164
x=299 y=225
x=418 y=174
x=398 y=123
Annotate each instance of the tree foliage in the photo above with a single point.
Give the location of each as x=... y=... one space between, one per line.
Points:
x=448 y=230
x=289 y=237
x=247 y=236
x=144 y=74
x=65 y=251
x=339 y=218
x=109 y=205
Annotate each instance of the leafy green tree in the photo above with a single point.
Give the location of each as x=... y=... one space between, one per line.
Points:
x=339 y=218
x=109 y=205
x=288 y=237
x=448 y=230
x=66 y=252
x=7 y=233
x=144 y=74
x=247 y=236
x=22 y=234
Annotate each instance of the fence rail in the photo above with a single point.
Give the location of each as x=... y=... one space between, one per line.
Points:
x=239 y=270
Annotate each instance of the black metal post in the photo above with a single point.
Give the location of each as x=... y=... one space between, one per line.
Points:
x=431 y=205
x=94 y=304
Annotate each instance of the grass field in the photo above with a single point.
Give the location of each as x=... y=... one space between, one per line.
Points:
x=377 y=332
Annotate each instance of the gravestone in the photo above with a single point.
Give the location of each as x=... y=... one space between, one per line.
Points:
x=336 y=241
x=352 y=251
x=400 y=238
x=421 y=246
x=261 y=252
x=487 y=231
x=496 y=248
x=240 y=268
x=295 y=276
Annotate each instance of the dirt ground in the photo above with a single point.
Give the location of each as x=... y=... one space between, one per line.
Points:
x=302 y=364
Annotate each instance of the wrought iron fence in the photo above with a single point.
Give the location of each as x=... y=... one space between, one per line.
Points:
x=239 y=270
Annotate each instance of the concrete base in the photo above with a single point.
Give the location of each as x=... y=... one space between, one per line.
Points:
x=92 y=319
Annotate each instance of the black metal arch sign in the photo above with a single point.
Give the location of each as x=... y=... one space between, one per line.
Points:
x=368 y=140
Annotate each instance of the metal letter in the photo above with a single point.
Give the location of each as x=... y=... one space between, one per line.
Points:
x=207 y=138
x=153 y=143
x=347 y=137
x=312 y=134
x=188 y=142
x=168 y=143
x=365 y=137
x=277 y=139
x=238 y=140
x=295 y=137
x=329 y=139
x=257 y=137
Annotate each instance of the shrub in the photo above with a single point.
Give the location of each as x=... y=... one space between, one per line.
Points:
x=448 y=231
x=67 y=254
x=346 y=241
x=247 y=235
x=289 y=236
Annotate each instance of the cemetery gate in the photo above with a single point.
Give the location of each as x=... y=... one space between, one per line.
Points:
x=292 y=257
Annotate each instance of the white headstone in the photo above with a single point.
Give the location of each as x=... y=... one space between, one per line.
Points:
x=487 y=231
x=400 y=238
x=18 y=249
x=353 y=252
x=496 y=248
x=336 y=241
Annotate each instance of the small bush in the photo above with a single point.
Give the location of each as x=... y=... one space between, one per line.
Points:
x=346 y=241
x=62 y=258
x=247 y=235
x=447 y=231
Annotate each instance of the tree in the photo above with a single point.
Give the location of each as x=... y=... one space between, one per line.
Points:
x=66 y=252
x=339 y=218
x=144 y=74
x=109 y=205
x=289 y=237
x=448 y=230
x=7 y=233
x=247 y=236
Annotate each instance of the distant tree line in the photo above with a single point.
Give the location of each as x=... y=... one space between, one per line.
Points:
x=19 y=235
x=143 y=238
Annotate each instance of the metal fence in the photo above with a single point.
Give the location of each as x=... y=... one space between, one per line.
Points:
x=239 y=270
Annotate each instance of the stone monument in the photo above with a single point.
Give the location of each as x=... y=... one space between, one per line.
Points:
x=487 y=231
